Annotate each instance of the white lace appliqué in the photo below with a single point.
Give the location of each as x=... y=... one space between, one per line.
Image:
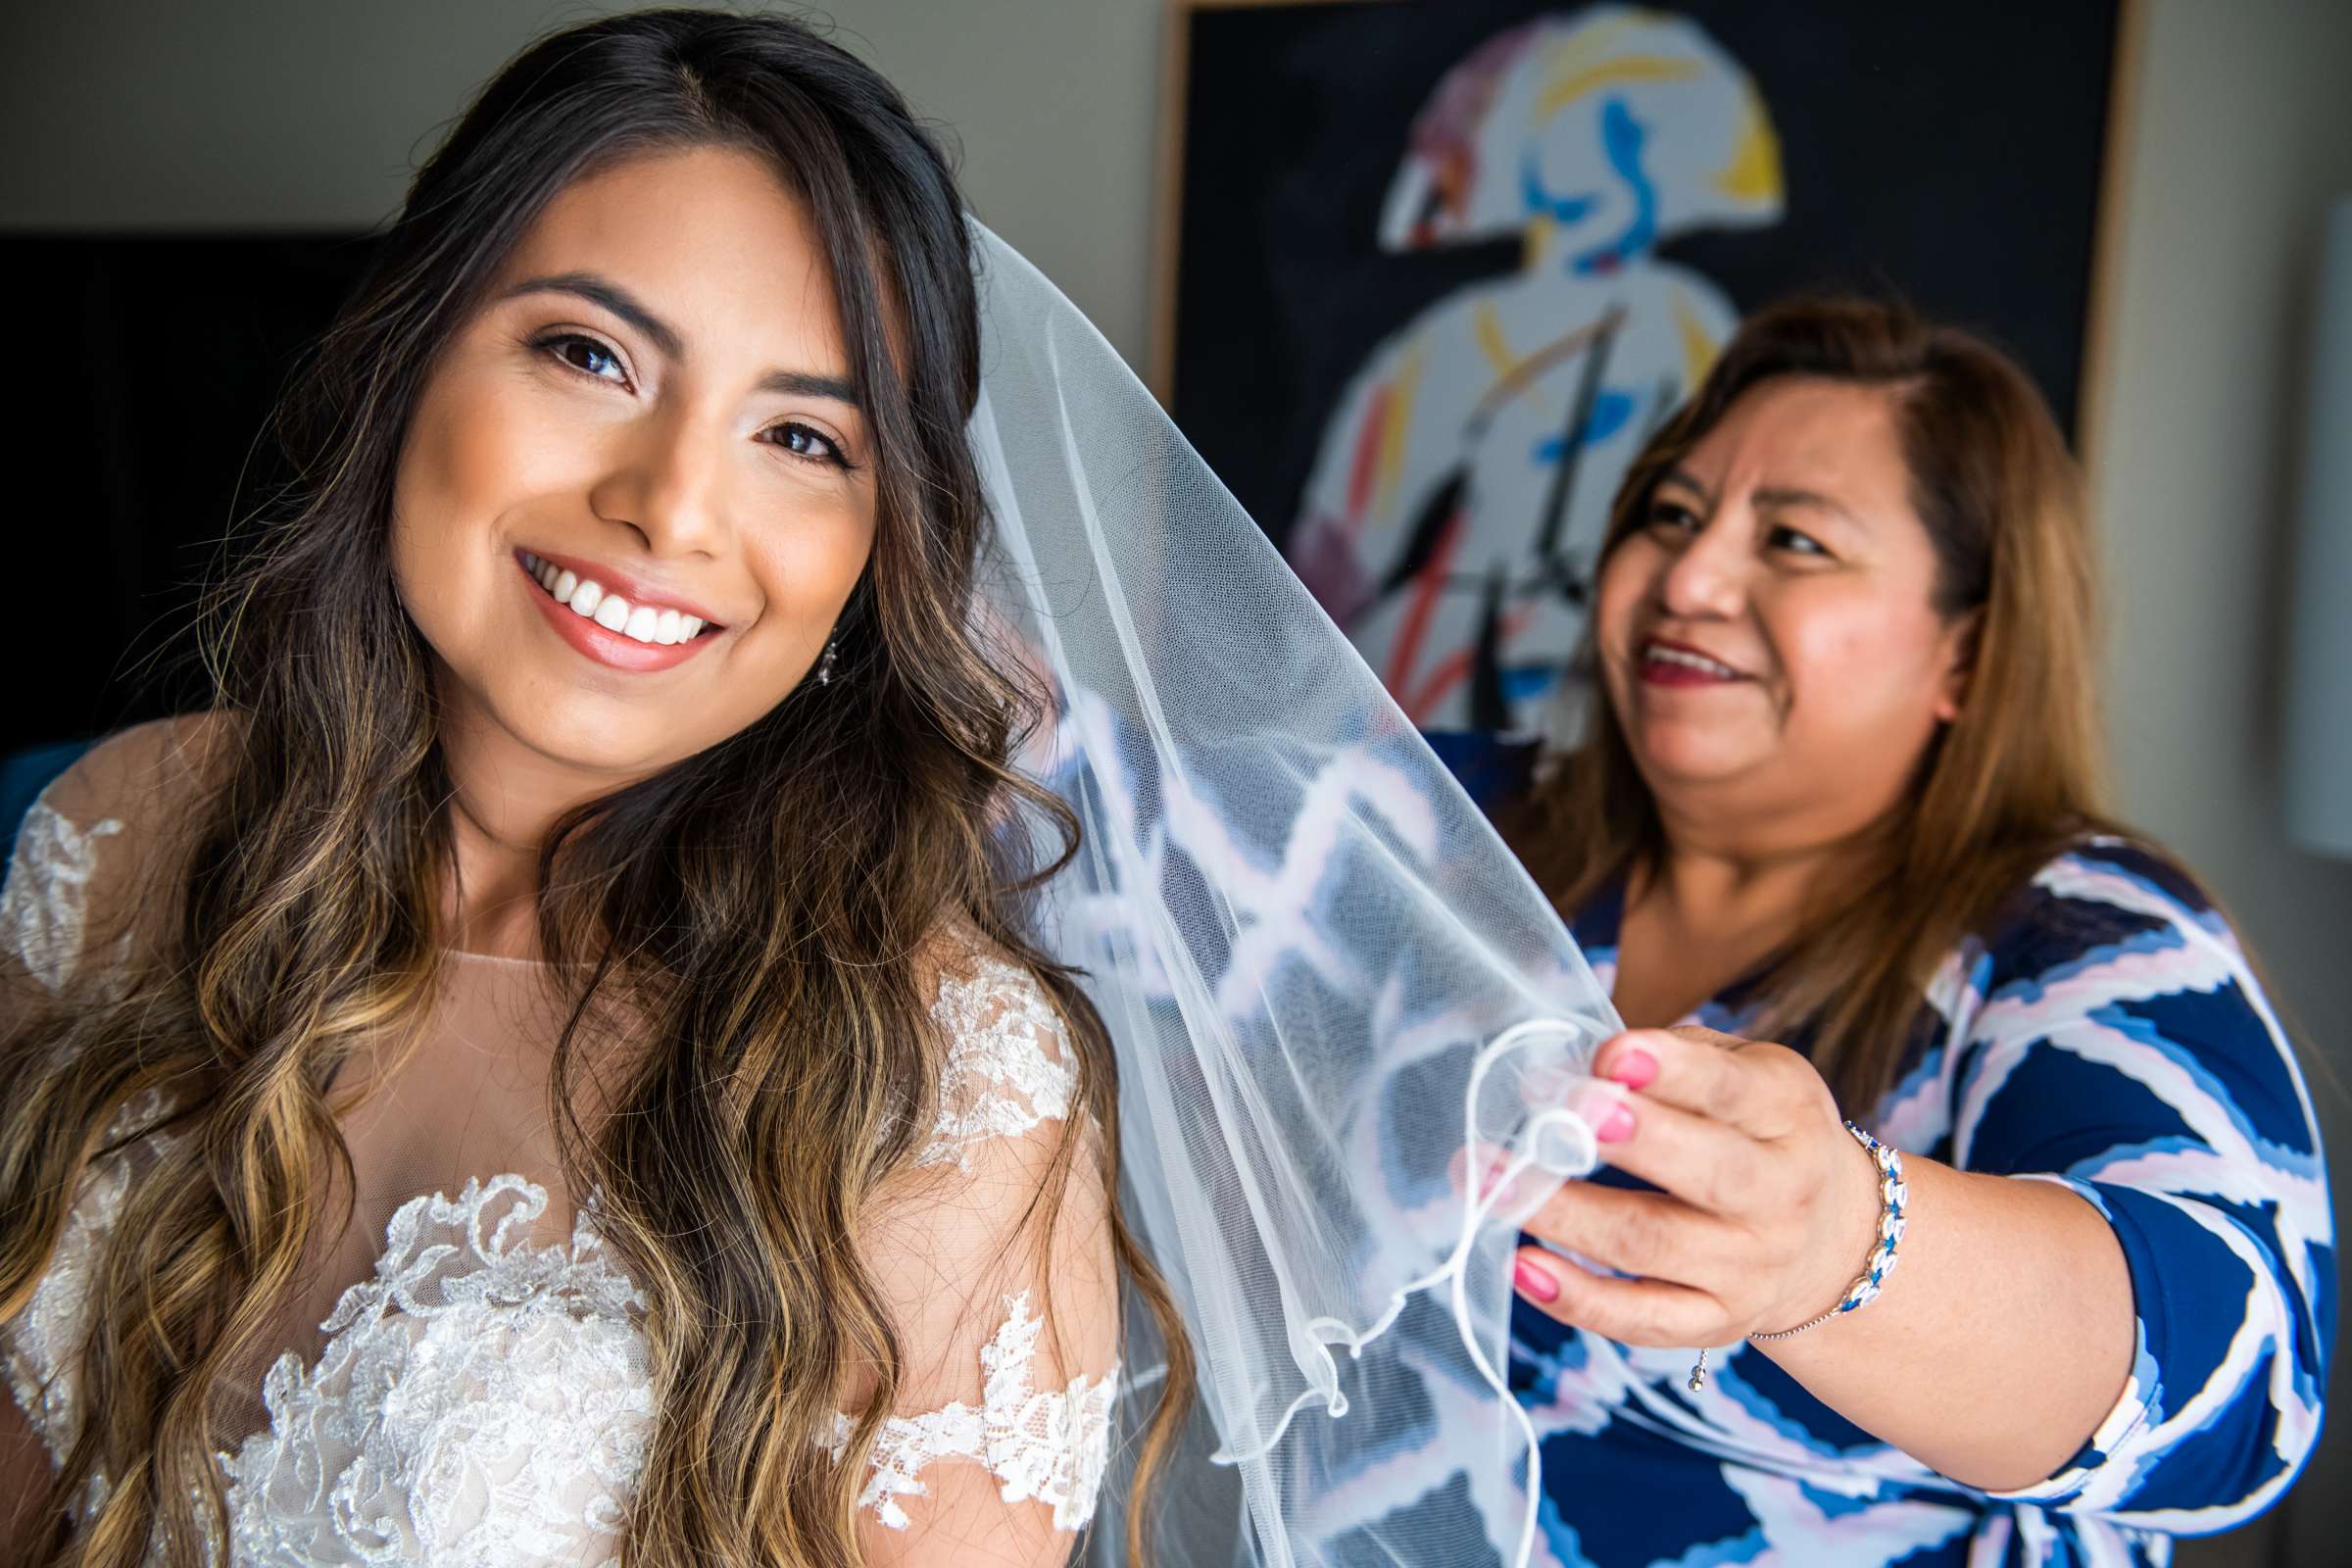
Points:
x=479 y=1400
x=38 y=1344
x=47 y=899
x=998 y=1081
x=1049 y=1445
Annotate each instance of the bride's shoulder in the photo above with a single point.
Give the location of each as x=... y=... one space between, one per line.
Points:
x=1006 y=1066
x=978 y=991
x=145 y=778
x=93 y=854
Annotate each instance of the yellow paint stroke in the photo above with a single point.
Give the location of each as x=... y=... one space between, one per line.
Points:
x=1585 y=47
x=1630 y=69
x=1535 y=244
x=1490 y=341
x=1393 y=430
x=1698 y=347
x=1754 y=175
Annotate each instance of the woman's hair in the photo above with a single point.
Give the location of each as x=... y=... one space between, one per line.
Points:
x=2001 y=789
x=766 y=913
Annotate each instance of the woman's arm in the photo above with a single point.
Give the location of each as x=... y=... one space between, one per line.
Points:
x=2123 y=1303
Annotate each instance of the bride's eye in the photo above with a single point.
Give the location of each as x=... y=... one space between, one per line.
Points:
x=585 y=355
x=809 y=444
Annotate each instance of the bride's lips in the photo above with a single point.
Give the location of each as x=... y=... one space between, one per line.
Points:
x=615 y=650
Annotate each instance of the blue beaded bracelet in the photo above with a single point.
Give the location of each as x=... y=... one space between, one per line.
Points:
x=1894 y=1199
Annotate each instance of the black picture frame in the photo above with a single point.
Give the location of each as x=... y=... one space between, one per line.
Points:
x=1283 y=120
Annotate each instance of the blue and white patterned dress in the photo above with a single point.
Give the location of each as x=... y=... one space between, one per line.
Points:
x=2108 y=1034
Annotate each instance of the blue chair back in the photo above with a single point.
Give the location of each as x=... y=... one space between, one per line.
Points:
x=24 y=774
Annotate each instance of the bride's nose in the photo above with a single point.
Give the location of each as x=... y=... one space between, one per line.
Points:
x=667 y=482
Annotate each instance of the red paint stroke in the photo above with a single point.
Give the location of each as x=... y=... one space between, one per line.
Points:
x=1367 y=455
x=1424 y=603
x=1441 y=681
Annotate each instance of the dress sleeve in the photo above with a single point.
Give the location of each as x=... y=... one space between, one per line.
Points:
x=2124 y=1048
x=70 y=911
x=1008 y=1312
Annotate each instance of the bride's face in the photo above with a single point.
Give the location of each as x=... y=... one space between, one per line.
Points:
x=638 y=489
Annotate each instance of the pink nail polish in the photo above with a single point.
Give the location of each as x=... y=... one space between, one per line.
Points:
x=1531 y=1281
x=1635 y=1069
x=1615 y=1127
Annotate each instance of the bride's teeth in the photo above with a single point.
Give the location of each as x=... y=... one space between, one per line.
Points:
x=587 y=597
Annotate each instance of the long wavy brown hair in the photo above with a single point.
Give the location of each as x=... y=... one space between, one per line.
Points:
x=2001 y=789
x=760 y=912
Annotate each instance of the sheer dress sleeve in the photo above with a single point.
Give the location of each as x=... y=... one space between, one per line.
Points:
x=76 y=902
x=1008 y=1315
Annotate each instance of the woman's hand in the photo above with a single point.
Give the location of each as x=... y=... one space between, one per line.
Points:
x=1767 y=1209
x=1994 y=1354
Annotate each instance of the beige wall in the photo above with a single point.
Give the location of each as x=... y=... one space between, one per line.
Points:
x=2242 y=134
x=308 y=114
x=302 y=114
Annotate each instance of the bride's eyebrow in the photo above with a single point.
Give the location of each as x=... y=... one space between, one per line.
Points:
x=607 y=295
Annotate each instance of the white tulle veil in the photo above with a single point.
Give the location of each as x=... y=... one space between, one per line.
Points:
x=1348 y=1027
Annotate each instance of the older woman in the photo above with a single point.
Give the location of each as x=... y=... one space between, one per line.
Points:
x=1840 y=795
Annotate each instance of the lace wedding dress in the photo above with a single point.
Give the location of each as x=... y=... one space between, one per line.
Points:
x=475 y=1388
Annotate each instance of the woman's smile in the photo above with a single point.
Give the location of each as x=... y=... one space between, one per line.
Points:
x=644 y=633
x=1672 y=664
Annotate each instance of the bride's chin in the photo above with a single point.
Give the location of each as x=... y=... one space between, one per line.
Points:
x=599 y=738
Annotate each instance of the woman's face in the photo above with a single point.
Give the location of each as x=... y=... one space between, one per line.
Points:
x=1768 y=633
x=638 y=488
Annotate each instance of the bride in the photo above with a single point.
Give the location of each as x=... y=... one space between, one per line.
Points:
x=550 y=1068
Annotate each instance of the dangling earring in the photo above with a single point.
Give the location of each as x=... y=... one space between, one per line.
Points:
x=824 y=666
